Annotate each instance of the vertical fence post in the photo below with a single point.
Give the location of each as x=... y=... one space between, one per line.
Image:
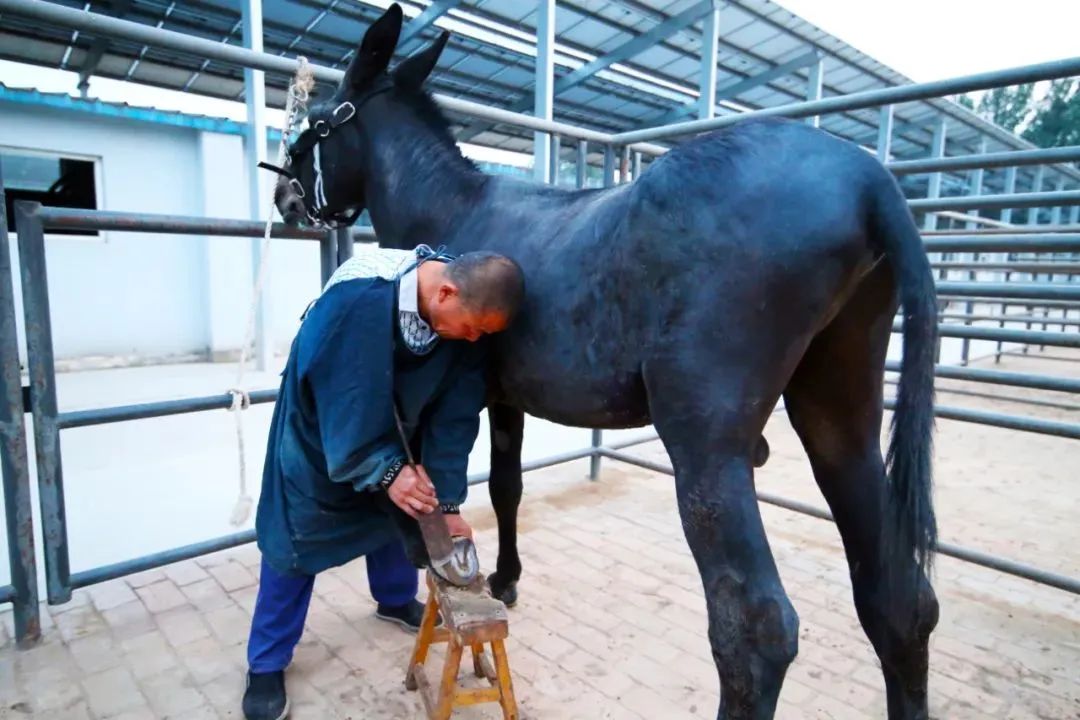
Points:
x=14 y=462
x=327 y=256
x=598 y=435
x=39 y=355
x=556 y=149
x=344 y=240
x=582 y=163
x=543 y=93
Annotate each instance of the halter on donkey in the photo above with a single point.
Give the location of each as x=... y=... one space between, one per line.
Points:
x=762 y=261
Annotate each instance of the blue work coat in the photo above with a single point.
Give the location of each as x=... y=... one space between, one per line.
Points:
x=333 y=435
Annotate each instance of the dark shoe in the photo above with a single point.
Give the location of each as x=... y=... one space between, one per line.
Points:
x=408 y=616
x=265 y=697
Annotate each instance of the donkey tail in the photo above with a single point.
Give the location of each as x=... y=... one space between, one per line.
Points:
x=910 y=528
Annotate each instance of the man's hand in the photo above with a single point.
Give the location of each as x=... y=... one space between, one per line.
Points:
x=413 y=492
x=457 y=526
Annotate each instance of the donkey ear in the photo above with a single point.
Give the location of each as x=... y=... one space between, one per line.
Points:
x=376 y=49
x=414 y=70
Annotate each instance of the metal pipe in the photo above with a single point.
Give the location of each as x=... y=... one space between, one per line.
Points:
x=997 y=377
x=1001 y=318
x=343 y=238
x=989 y=242
x=596 y=439
x=327 y=257
x=1010 y=422
x=1027 y=337
x=1049 y=267
x=77 y=219
x=142 y=411
x=990 y=202
x=995 y=301
x=39 y=351
x=156 y=560
x=976 y=557
x=1011 y=158
x=8 y=594
x=870 y=98
x=1037 y=291
x=14 y=459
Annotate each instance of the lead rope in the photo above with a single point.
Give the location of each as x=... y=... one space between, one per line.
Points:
x=295 y=104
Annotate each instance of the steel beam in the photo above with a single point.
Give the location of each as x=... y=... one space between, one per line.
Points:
x=710 y=45
x=424 y=20
x=854 y=101
x=937 y=151
x=736 y=88
x=543 y=97
x=885 y=131
x=639 y=44
x=814 y=81
x=627 y=50
x=117 y=8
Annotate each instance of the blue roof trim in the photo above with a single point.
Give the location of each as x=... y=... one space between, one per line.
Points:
x=127 y=112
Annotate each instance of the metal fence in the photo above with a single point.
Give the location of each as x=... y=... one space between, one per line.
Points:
x=623 y=159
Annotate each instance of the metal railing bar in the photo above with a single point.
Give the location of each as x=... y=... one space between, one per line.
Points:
x=977 y=557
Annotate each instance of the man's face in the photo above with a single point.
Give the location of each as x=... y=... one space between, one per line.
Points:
x=452 y=320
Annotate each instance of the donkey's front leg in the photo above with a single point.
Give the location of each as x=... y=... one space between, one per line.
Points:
x=504 y=485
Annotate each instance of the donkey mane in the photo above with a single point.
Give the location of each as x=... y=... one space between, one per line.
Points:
x=434 y=119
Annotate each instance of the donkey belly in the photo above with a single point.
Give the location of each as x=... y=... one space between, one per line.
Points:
x=580 y=386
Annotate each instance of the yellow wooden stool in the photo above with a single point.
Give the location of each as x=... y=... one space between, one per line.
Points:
x=471 y=618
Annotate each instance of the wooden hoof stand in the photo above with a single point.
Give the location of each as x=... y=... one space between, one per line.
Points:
x=471 y=619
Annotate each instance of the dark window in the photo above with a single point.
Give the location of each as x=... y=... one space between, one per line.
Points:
x=51 y=180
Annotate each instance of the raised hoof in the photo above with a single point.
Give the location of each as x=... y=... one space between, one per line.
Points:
x=761 y=452
x=505 y=592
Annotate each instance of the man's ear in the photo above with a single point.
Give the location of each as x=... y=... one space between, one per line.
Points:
x=447 y=291
x=414 y=70
x=376 y=49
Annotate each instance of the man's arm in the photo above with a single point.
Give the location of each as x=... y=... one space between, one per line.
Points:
x=451 y=428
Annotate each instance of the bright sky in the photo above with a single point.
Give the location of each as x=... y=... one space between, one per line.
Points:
x=936 y=39
x=922 y=39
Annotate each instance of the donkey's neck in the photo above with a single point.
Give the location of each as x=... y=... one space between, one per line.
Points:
x=418 y=188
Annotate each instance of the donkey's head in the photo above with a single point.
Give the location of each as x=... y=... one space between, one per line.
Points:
x=329 y=158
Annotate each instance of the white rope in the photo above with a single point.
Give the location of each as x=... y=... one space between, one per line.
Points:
x=299 y=93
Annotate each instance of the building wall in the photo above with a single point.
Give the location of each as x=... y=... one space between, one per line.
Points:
x=133 y=297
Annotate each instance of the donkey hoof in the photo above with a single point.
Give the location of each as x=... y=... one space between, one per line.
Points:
x=504 y=591
x=761 y=452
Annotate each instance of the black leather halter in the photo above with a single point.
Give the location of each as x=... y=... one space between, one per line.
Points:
x=308 y=141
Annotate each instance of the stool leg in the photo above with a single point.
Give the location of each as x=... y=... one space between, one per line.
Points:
x=449 y=681
x=506 y=687
x=477 y=654
x=423 y=640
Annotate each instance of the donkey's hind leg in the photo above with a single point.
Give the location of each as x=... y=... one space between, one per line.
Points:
x=834 y=403
x=753 y=628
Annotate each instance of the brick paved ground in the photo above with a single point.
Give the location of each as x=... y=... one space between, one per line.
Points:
x=611 y=620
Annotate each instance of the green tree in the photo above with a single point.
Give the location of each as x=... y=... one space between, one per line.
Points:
x=964 y=101
x=1007 y=107
x=1057 y=116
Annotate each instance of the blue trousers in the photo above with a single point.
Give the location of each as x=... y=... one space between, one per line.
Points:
x=282 y=604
